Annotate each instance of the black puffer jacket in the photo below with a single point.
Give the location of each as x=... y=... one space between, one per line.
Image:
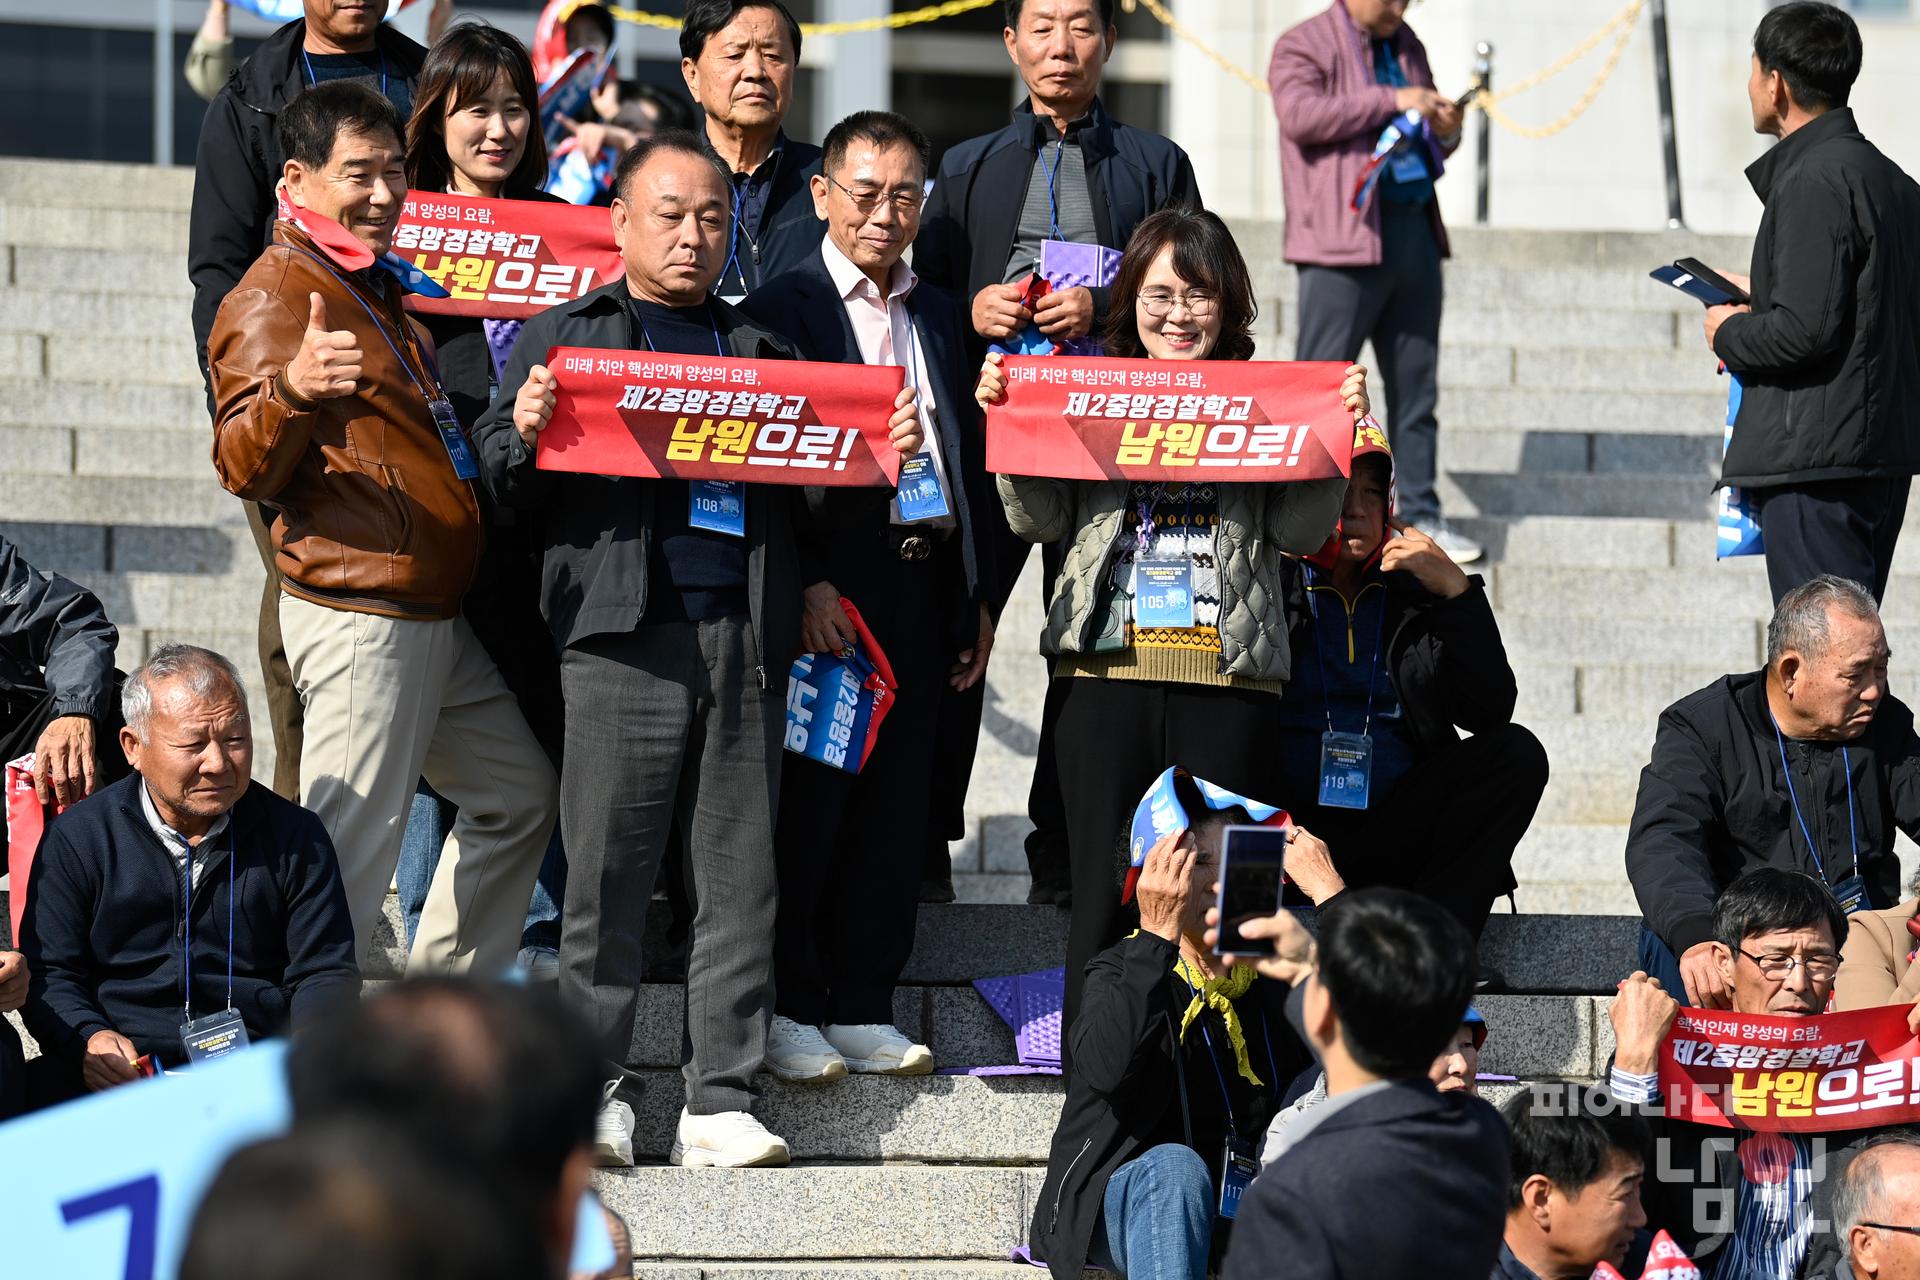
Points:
x=240 y=160
x=1713 y=803
x=1830 y=356
x=54 y=639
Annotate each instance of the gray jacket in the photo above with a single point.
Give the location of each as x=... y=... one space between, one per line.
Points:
x=54 y=639
x=1258 y=523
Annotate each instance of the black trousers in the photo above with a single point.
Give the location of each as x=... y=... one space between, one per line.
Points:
x=1113 y=739
x=958 y=736
x=846 y=844
x=1397 y=305
x=1448 y=829
x=1844 y=527
x=13 y=1074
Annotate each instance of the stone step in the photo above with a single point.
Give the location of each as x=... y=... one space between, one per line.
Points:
x=135 y=500
x=1598 y=496
x=1527 y=408
x=1731 y=644
x=166 y=359
x=81 y=551
x=1533 y=451
x=108 y=272
x=176 y=451
x=1494 y=321
x=1695 y=591
x=71 y=184
x=33 y=401
x=45 y=307
x=858 y=1211
x=37 y=228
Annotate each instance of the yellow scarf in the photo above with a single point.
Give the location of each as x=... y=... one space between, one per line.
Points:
x=1220 y=993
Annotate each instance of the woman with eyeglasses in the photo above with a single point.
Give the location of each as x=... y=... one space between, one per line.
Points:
x=1141 y=693
x=475 y=132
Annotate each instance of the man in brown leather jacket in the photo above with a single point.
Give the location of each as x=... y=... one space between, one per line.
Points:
x=328 y=409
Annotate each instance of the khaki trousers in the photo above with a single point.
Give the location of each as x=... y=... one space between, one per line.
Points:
x=388 y=701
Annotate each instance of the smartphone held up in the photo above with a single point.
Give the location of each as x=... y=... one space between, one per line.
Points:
x=1252 y=876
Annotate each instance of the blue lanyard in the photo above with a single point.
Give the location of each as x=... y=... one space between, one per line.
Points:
x=1053 y=172
x=314 y=79
x=1853 y=817
x=433 y=372
x=186 y=923
x=1273 y=1065
x=736 y=228
x=1373 y=675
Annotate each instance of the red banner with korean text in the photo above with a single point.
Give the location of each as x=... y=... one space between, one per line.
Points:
x=638 y=413
x=1216 y=420
x=1851 y=1070
x=505 y=259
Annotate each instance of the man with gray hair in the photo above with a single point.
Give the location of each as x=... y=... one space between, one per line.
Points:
x=1808 y=764
x=182 y=912
x=1876 y=1209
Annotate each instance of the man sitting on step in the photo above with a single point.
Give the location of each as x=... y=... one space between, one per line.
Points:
x=1178 y=1063
x=1808 y=764
x=1395 y=650
x=1755 y=1203
x=181 y=912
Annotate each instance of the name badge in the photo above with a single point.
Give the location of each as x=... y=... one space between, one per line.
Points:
x=718 y=506
x=1237 y=1168
x=920 y=494
x=1163 y=592
x=214 y=1036
x=459 y=449
x=1407 y=165
x=1851 y=894
x=1346 y=770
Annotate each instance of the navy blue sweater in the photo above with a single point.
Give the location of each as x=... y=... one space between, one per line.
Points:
x=102 y=931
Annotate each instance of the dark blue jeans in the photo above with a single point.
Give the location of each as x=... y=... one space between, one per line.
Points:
x=1156 y=1221
x=428 y=823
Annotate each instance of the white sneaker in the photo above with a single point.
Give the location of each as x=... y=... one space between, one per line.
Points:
x=540 y=964
x=730 y=1140
x=798 y=1052
x=613 y=1131
x=1459 y=547
x=878 y=1049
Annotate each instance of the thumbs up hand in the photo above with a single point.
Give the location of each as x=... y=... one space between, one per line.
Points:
x=329 y=362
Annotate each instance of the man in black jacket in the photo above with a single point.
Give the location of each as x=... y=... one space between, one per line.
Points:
x=58 y=695
x=186 y=848
x=675 y=638
x=1807 y=765
x=1063 y=170
x=913 y=564
x=1394 y=645
x=1828 y=355
x=1387 y=1177
x=1175 y=1055
x=239 y=162
x=738 y=58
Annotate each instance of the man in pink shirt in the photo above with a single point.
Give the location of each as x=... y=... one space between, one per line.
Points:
x=1338 y=81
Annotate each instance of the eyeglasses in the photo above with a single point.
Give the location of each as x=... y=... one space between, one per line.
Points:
x=867 y=199
x=1777 y=968
x=1888 y=1226
x=1199 y=303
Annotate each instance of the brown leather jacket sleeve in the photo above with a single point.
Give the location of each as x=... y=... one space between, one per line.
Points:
x=260 y=429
